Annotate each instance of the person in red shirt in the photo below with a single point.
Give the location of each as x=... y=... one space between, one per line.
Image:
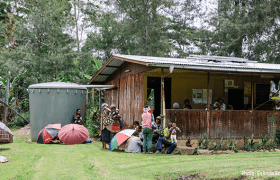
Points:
x=147 y=129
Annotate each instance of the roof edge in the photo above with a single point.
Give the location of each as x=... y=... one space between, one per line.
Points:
x=119 y=58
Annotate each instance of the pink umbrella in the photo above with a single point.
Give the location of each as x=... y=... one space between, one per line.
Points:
x=73 y=134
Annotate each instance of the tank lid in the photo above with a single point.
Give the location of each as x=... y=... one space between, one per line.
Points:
x=56 y=85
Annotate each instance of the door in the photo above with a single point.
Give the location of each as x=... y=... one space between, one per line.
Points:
x=154 y=94
x=236 y=98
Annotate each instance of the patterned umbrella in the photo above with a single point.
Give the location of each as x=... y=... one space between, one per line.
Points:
x=48 y=133
x=120 y=137
x=6 y=135
x=73 y=134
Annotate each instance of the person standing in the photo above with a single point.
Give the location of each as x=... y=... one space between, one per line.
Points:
x=106 y=125
x=147 y=129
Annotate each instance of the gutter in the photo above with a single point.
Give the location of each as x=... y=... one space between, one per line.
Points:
x=215 y=68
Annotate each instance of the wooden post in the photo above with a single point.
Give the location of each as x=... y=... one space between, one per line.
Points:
x=7 y=97
x=252 y=93
x=162 y=98
x=208 y=89
x=92 y=96
x=208 y=104
x=101 y=114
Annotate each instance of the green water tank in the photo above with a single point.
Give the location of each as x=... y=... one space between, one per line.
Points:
x=54 y=102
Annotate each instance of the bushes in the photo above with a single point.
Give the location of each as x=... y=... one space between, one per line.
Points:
x=19 y=122
x=249 y=145
x=203 y=141
x=277 y=136
x=92 y=123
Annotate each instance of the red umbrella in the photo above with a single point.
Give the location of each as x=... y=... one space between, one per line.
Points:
x=73 y=134
x=56 y=126
x=48 y=133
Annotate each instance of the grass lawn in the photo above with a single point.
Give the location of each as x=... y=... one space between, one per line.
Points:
x=88 y=161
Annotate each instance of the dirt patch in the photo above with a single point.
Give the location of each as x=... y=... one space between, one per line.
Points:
x=23 y=131
x=188 y=176
x=196 y=176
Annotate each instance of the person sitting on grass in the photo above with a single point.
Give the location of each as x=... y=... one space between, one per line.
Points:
x=135 y=124
x=134 y=144
x=77 y=118
x=139 y=130
x=166 y=141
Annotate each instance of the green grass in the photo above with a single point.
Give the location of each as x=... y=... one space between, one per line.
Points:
x=88 y=161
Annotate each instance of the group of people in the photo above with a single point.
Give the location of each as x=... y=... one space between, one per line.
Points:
x=219 y=104
x=151 y=132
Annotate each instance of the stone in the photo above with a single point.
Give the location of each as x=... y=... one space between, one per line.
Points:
x=203 y=152
x=3 y=159
x=187 y=150
x=230 y=152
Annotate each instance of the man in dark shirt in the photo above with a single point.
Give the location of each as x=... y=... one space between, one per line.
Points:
x=77 y=118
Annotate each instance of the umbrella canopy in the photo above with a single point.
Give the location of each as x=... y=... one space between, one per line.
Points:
x=57 y=126
x=6 y=135
x=48 y=133
x=120 y=137
x=73 y=134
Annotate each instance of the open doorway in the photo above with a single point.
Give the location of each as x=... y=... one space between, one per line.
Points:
x=236 y=98
x=154 y=94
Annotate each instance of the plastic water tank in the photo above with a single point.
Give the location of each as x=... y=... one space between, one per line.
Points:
x=54 y=102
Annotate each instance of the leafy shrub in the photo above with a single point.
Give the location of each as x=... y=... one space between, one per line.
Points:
x=19 y=122
x=92 y=123
x=277 y=137
x=203 y=141
x=232 y=143
x=265 y=139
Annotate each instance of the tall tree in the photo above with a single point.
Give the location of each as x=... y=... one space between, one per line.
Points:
x=143 y=25
x=247 y=29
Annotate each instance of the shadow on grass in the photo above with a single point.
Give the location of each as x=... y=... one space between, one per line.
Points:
x=4 y=149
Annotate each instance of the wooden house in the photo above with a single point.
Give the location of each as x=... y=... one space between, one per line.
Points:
x=160 y=82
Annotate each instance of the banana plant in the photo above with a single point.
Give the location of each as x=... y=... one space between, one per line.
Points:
x=13 y=85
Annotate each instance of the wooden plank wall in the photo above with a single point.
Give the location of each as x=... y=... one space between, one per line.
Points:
x=128 y=97
x=224 y=123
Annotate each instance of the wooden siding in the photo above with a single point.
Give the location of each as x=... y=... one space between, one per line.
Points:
x=128 y=97
x=133 y=69
x=224 y=123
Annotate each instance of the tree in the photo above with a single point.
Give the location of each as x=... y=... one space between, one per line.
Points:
x=247 y=29
x=143 y=25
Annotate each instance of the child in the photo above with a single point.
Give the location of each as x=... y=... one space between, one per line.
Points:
x=173 y=130
x=121 y=124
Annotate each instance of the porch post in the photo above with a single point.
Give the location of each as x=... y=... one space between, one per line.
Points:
x=208 y=104
x=252 y=93
x=162 y=98
x=208 y=88
x=92 y=97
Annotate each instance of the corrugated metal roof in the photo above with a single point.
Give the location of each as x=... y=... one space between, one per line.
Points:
x=194 y=62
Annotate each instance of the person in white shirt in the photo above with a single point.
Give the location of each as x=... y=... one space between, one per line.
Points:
x=134 y=144
x=222 y=103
